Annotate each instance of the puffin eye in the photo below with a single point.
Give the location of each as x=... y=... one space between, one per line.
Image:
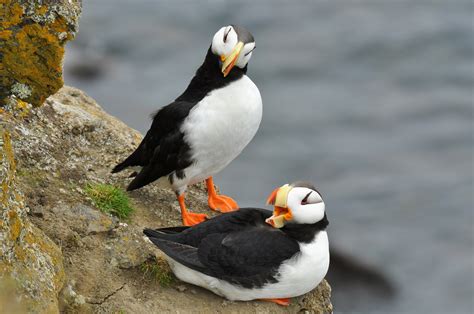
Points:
x=305 y=199
x=226 y=33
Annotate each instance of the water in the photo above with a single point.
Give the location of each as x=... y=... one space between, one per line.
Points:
x=371 y=100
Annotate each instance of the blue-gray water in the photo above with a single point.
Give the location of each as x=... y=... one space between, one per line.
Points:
x=370 y=100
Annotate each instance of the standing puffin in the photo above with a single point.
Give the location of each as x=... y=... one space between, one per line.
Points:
x=250 y=253
x=205 y=128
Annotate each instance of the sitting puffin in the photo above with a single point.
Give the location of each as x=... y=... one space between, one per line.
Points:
x=205 y=128
x=250 y=253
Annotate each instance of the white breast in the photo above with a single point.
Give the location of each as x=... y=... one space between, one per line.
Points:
x=303 y=272
x=220 y=126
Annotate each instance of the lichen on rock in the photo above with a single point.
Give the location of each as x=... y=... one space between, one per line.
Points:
x=32 y=39
x=28 y=258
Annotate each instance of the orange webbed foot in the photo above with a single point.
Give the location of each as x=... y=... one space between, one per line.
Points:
x=191 y=219
x=282 y=301
x=222 y=203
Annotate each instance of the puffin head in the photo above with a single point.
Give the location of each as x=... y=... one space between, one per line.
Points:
x=298 y=203
x=233 y=45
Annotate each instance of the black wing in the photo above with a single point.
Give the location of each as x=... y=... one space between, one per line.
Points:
x=226 y=223
x=163 y=149
x=249 y=256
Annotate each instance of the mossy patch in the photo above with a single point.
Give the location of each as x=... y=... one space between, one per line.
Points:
x=157 y=269
x=110 y=199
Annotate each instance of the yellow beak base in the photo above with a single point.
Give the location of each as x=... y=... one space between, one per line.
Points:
x=281 y=212
x=228 y=62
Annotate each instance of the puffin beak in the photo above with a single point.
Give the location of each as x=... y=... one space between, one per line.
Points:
x=279 y=218
x=228 y=62
x=281 y=212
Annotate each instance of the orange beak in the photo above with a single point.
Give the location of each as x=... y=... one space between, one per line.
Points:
x=280 y=217
x=229 y=61
x=281 y=212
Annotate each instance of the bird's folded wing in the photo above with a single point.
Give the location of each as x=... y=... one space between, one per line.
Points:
x=182 y=253
x=247 y=253
x=166 y=124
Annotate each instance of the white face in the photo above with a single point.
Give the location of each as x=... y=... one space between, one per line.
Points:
x=224 y=42
x=306 y=205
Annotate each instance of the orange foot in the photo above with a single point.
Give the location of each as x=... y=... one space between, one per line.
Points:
x=221 y=203
x=282 y=302
x=191 y=219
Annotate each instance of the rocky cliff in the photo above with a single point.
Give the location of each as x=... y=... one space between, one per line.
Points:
x=61 y=250
x=70 y=237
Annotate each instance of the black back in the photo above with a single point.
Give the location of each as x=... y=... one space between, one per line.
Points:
x=164 y=151
x=238 y=247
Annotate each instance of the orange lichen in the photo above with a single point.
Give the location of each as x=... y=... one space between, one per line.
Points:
x=35 y=60
x=4 y=34
x=31 y=53
x=12 y=13
x=15 y=225
x=42 y=9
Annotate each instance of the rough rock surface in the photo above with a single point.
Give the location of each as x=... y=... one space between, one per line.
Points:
x=29 y=260
x=61 y=147
x=32 y=39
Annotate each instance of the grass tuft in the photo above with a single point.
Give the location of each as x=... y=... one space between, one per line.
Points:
x=157 y=269
x=110 y=199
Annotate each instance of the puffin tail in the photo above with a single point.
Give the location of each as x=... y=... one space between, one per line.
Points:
x=162 y=232
x=130 y=161
x=169 y=244
x=133 y=160
x=165 y=234
x=140 y=180
x=120 y=166
x=147 y=175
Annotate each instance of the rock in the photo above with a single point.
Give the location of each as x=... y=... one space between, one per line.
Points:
x=72 y=301
x=36 y=211
x=101 y=224
x=32 y=39
x=27 y=256
x=9 y=302
x=86 y=219
x=318 y=300
x=128 y=250
x=181 y=288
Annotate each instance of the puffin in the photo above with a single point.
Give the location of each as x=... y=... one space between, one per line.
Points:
x=205 y=128
x=254 y=253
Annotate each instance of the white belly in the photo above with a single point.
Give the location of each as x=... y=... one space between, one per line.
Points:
x=219 y=127
x=298 y=276
x=303 y=273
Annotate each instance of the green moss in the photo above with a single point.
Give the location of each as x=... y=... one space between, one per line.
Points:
x=110 y=199
x=157 y=269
